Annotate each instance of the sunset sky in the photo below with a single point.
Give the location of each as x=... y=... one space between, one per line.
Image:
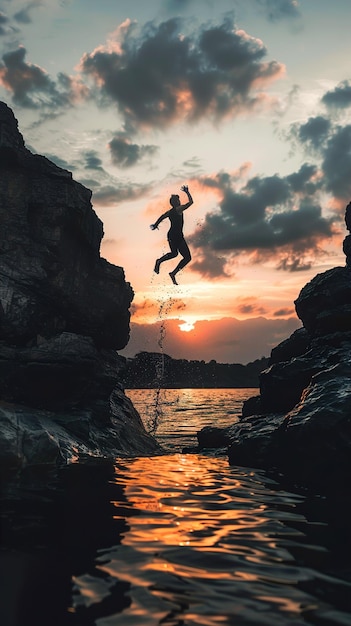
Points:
x=246 y=101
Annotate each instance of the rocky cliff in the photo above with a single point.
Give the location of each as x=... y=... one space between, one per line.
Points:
x=64 y=311
x=300 y=424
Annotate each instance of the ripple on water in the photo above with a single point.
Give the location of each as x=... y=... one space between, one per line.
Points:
x=207 y=544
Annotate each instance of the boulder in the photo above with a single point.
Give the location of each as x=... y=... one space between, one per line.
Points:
x=312 y=442
x=324 y=304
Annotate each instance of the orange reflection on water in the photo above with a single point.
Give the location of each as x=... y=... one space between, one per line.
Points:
x=198 y=533
x=183 y=502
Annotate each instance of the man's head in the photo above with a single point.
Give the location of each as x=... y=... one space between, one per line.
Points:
x=174 y=200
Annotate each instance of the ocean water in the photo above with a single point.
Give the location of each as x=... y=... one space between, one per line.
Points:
x=178 y=539
x=174 y=416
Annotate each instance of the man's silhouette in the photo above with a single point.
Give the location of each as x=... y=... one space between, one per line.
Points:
x=175 y=234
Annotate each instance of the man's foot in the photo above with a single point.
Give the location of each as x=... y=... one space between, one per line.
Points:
x=173 y=278
x=157 y=266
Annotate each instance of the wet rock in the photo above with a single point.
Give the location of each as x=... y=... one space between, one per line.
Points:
x=253 y=441
x=37 y=436
x=320 y=426
x=213 y=437
x=282 y=384
x=252 y=406
x=312 y=442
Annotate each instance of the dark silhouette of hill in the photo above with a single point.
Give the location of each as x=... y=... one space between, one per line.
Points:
x=155 y=369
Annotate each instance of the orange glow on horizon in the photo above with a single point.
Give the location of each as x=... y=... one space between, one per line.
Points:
x=186 y=327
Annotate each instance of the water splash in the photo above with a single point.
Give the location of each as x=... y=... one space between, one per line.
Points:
x=163 y=312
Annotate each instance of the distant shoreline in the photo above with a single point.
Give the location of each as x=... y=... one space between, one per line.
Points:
x=174 y=386
x=155 y=370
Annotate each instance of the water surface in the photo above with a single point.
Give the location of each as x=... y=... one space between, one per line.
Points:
x=176 y=415
x=177 y=539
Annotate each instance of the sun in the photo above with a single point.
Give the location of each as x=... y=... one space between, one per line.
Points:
x=186 y=327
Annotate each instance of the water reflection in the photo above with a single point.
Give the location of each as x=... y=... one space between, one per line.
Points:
x=207 y=544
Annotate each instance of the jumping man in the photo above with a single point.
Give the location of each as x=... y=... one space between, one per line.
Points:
x=175 y=234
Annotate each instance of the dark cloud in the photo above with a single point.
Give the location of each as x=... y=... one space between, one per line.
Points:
x=340 y=97
x=164 y=75
x=331 y=143
x=294 y=263
x=285 y=312
x=271 y=217
x=24 y=15
x=31 y=86
x=92 y=161
x=192 y=163
x=3 y=24
x=115 y=194
x=336 y=163
x=250 y=308
x=125 y=154
x=314 y=132
x=210 y=264
x=23 y=79
x=277 y=10
x=303 y=180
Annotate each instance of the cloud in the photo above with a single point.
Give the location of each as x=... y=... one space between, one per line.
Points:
x=3 y=24
x=338 y=98
x=277 y=10
x=314 y=132
x=92 y=161
x=284 y=312
x=330 y=143
x=270 y=218
x=115 y=194
x=162 y=75
x=210 y=264
x=250 y=306
x=32 y=87
x=193 y=163
x=336 y=163
x=145 y=308
x=126 y=154
x=24 y=15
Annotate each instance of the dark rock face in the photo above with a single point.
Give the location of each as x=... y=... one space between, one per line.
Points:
x=52 y=277
x=301 y=422
x=324 y=304
x=64 y=311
